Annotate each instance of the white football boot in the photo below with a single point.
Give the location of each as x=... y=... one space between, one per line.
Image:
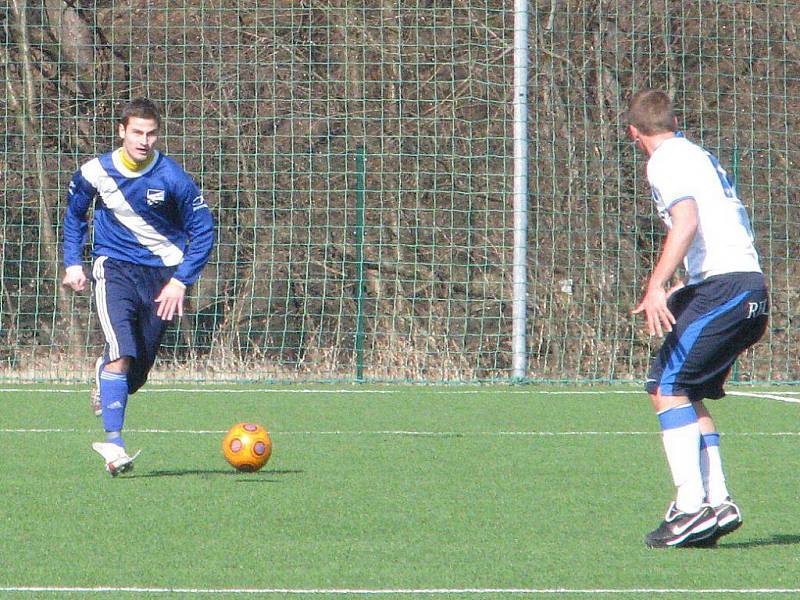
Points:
x=117 y=460
x=94 y=395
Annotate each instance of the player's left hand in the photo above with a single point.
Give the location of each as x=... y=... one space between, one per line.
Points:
x=658 y=317
x=170 y=300
x=74 y=278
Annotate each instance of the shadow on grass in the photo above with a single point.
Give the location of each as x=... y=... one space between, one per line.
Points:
x=257 y=477
x=775 y=540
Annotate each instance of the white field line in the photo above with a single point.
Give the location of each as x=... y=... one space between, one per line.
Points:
x=758 y=395
x=768 y=396
x=783 y=395
x=454 y=390
x=393 y=592
x=399 y=432
x=344 y=391
x=163 y=390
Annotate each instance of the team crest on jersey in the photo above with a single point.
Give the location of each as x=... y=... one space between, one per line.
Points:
x=198 y=203
x=155 y=197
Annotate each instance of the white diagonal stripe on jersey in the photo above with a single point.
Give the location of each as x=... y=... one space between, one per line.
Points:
x=147 y=235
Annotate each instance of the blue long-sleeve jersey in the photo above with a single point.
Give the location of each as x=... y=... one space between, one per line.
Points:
x=155 y=217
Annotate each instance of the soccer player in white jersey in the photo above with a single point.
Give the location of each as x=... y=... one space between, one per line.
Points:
x=153 y=234
x=717 y=311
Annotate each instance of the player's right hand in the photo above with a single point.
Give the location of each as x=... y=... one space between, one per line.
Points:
x=656 y=313
x=74 y=278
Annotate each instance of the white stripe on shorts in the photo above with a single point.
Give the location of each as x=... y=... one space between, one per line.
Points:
x=102 y=307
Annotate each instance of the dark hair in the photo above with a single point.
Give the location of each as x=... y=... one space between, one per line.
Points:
x=142 y=108
x=651 y=112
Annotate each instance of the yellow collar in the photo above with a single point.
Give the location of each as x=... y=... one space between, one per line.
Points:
x=131 y=164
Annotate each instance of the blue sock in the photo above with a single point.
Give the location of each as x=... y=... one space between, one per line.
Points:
x=709 y=439
x=115 y=437
x=114 y=398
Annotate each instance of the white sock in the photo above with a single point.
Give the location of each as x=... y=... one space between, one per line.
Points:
x=711 y=468
x=681 y=437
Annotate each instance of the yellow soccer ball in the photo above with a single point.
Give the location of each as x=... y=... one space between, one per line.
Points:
x=247 y=447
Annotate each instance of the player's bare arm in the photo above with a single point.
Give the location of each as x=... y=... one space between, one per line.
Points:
x=654 y=303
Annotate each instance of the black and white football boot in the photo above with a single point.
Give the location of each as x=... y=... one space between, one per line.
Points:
x=683 y=529
x=729 y=519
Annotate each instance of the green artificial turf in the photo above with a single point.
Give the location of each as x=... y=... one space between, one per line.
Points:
x=374 y=489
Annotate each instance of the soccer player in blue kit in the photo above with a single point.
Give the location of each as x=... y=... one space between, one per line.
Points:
x=153 y=234
x=718 y=311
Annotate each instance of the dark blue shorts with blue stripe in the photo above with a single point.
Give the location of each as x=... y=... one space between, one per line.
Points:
x=716 y=320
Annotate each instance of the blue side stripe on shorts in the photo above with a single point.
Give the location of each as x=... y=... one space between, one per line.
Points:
x=678 y=357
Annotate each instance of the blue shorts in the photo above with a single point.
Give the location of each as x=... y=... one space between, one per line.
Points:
x=716 y=320
x=125 y=295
